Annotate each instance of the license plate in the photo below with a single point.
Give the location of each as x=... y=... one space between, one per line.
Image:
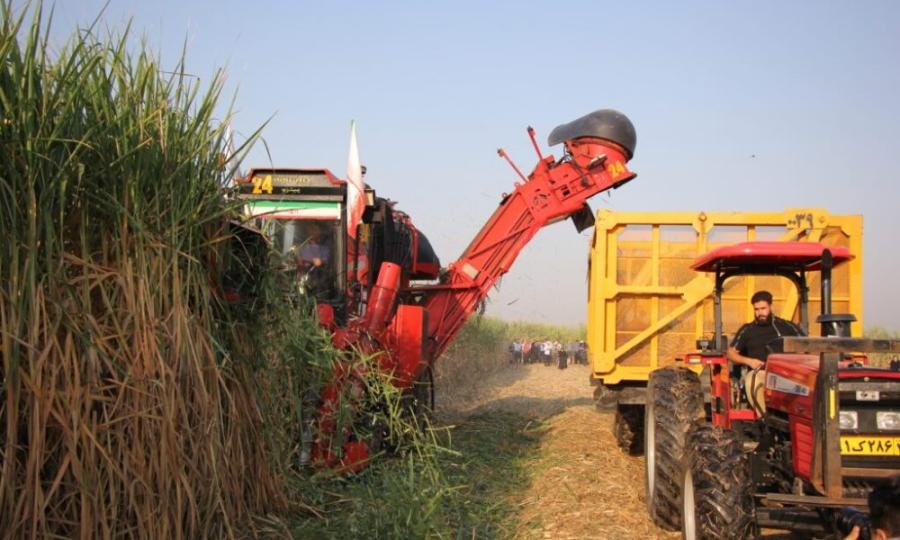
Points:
x=870 y=446
x=868 y=395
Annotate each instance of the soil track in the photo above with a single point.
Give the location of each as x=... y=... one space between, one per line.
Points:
x=582 y=485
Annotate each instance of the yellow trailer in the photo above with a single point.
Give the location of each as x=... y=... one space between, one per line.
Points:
x=646 y=306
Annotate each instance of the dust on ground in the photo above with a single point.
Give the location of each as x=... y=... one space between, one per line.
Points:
x=583 y=485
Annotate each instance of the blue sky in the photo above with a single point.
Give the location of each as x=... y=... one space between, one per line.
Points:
x=812 y=89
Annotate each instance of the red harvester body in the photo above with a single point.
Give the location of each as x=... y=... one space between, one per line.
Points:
x=383 y=290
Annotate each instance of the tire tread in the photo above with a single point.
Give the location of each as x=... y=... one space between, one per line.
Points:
x=723 y=489
x=677 y=400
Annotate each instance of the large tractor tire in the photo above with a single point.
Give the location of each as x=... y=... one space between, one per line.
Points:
x=629 y=428
x=674 y=402
x=717 y=502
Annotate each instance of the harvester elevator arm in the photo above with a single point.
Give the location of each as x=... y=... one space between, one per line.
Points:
x=553 y=191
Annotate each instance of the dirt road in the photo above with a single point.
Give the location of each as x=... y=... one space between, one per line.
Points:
x=581 y=484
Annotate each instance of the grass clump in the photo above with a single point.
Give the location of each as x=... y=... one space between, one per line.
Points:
x=460 y=481
x=432 y=492
x=134 y=401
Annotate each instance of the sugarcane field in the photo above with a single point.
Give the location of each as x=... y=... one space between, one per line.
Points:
x=400 y=270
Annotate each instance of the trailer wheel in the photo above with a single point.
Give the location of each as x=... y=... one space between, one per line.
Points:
x=629 y=428
x=674 y=401
x=717 y=486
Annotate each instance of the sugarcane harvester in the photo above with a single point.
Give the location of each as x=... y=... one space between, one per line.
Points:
x=380 y=288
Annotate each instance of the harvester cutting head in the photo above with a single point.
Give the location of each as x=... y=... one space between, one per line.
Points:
x=606 y=124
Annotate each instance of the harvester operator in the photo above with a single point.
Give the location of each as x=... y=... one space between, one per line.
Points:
x=313 y=263
x=315 y=251
x=751 y=346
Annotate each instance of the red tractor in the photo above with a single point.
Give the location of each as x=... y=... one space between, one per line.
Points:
x=829 y=434
x=383 y=291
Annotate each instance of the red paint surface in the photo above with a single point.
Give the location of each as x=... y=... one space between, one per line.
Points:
x=807 y=255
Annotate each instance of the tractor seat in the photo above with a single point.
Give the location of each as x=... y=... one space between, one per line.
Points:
x=707 y=346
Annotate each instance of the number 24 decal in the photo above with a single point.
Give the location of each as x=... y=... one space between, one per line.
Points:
x=262 y=184
x=615 y=168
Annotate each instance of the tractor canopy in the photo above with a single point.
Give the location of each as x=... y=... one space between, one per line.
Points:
x=769 y=257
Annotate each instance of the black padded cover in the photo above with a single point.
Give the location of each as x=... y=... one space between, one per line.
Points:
x=606 y=124
x=428 y=265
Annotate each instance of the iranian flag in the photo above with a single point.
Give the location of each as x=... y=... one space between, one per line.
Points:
x=356 y=190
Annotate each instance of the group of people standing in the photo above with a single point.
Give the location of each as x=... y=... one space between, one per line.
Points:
x=527 y=351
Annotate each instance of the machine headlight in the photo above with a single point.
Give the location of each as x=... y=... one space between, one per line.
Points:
x=889 y=421
x=849 y=420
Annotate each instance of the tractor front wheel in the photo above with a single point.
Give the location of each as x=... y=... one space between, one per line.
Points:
x=674 y=402
x=717 y=502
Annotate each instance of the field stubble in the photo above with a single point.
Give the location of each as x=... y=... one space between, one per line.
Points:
x=579 y=484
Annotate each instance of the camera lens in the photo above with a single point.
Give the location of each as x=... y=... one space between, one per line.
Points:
x=851 y=517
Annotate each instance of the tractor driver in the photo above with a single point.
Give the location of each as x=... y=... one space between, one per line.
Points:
x=750 y=346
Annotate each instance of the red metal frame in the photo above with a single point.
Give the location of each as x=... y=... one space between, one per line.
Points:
x=777 y=258
x=752 y=257
x=554 y=191
x=409 y=338
x=721 y=391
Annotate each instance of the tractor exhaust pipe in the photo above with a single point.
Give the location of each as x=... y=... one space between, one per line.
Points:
x=827 y=264
x=833 y=324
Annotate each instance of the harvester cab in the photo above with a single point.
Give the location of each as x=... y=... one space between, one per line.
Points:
x=830 y=432
x=300 y=212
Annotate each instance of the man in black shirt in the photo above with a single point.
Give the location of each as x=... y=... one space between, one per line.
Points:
x=750 y=346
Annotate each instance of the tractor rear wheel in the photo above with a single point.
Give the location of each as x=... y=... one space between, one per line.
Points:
x=717 y=486
x=629 y=428
x=674 y=402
